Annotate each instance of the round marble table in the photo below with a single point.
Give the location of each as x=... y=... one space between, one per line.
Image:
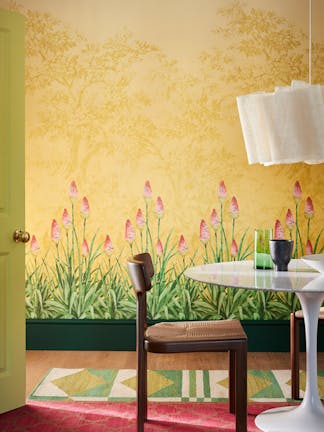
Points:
x=309 y=287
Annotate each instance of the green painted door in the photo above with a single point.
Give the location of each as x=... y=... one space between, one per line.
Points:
x=12 y=217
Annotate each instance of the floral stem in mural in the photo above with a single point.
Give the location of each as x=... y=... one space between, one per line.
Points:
x=290 y=222
x=222 y=193
x=204 y=236
x=146 y=226
x=85 y=212
x=57 y=251
x=183 y=249
x=158 y=228
x=316 y=243
x=73 y=194
x=297 y=231
x=298 y=239
x=161 y=299
x=129 y=234
x=234 y=212
x=308 y=213
x=84 y=228
x=234 y=250
x=222 y=234
x=233 y=229
x=140 y=222
x=225 y=243
x=67 y=244
x=72 y=236
x=214 y=220
x=216 y=256
x=297 y=195
x=159 y=210
x=223 y=240
x=244 y=252
x=147 y=197
x=141 y=237
x=206 y=253
x=55 y=236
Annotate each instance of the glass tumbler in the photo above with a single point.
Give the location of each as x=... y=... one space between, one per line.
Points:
x=262 y=257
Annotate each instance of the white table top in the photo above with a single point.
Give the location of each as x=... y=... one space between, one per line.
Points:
x=241 y=274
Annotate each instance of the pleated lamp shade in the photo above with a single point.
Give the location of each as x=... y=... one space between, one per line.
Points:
x=284 y=127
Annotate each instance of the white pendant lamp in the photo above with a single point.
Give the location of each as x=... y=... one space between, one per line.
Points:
x=286 y=126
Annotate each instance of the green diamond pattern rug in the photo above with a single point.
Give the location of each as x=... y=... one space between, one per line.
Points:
x=164 y=385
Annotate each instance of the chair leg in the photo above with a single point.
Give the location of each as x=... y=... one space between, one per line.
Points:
x=241 y=388
x=232 y=381
x=294 y=355
x=145 y=387
x=141 y=415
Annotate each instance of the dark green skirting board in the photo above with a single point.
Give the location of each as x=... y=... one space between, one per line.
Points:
x=119 y=335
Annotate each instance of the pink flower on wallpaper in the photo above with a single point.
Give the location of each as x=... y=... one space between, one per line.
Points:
x=159 y=208
x=73 y=191
x=290 y=221
x=297 y=192
x=85 y=208
x=147 y=191
x=34 y=246
x=309 y=248
x=159 y=248
x=129 y=231
x=85 y=248
x=234 y=249
x=214 y=219
x=66 y=220
x=182 y=245
x=55 y=231
x=222 y=191
x=234 y=208
x=108 y=246
x=140 y=220
x=309 y=208
x=278 y=231
x=204 y=232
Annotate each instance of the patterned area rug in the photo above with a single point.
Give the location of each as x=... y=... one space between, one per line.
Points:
x=119 y=385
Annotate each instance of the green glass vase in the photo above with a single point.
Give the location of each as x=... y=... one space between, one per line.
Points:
x=262 y=257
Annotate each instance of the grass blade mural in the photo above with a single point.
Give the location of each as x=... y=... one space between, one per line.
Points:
x=81 y=276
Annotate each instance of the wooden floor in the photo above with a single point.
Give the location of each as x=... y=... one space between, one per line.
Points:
x=39 y=362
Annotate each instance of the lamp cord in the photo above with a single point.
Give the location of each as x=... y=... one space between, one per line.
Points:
x=310 y=44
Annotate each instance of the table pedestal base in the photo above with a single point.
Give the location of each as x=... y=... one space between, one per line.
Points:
x=309 y=415
x=291 y=419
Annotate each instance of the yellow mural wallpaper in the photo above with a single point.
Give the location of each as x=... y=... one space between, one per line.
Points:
x=133 y=141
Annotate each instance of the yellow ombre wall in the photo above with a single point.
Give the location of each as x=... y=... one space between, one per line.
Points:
x=121 y=92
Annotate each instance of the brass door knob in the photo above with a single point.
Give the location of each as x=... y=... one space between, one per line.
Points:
x=21 y=236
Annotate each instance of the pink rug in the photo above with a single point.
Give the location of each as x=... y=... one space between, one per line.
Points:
x=49 y=416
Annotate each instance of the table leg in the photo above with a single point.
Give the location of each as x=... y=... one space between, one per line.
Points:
x=309 y=415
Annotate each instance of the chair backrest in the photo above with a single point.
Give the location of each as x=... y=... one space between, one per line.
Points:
x=140 y=268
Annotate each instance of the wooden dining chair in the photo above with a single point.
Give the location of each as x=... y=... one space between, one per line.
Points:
x=295 y=319
x=186 y=336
